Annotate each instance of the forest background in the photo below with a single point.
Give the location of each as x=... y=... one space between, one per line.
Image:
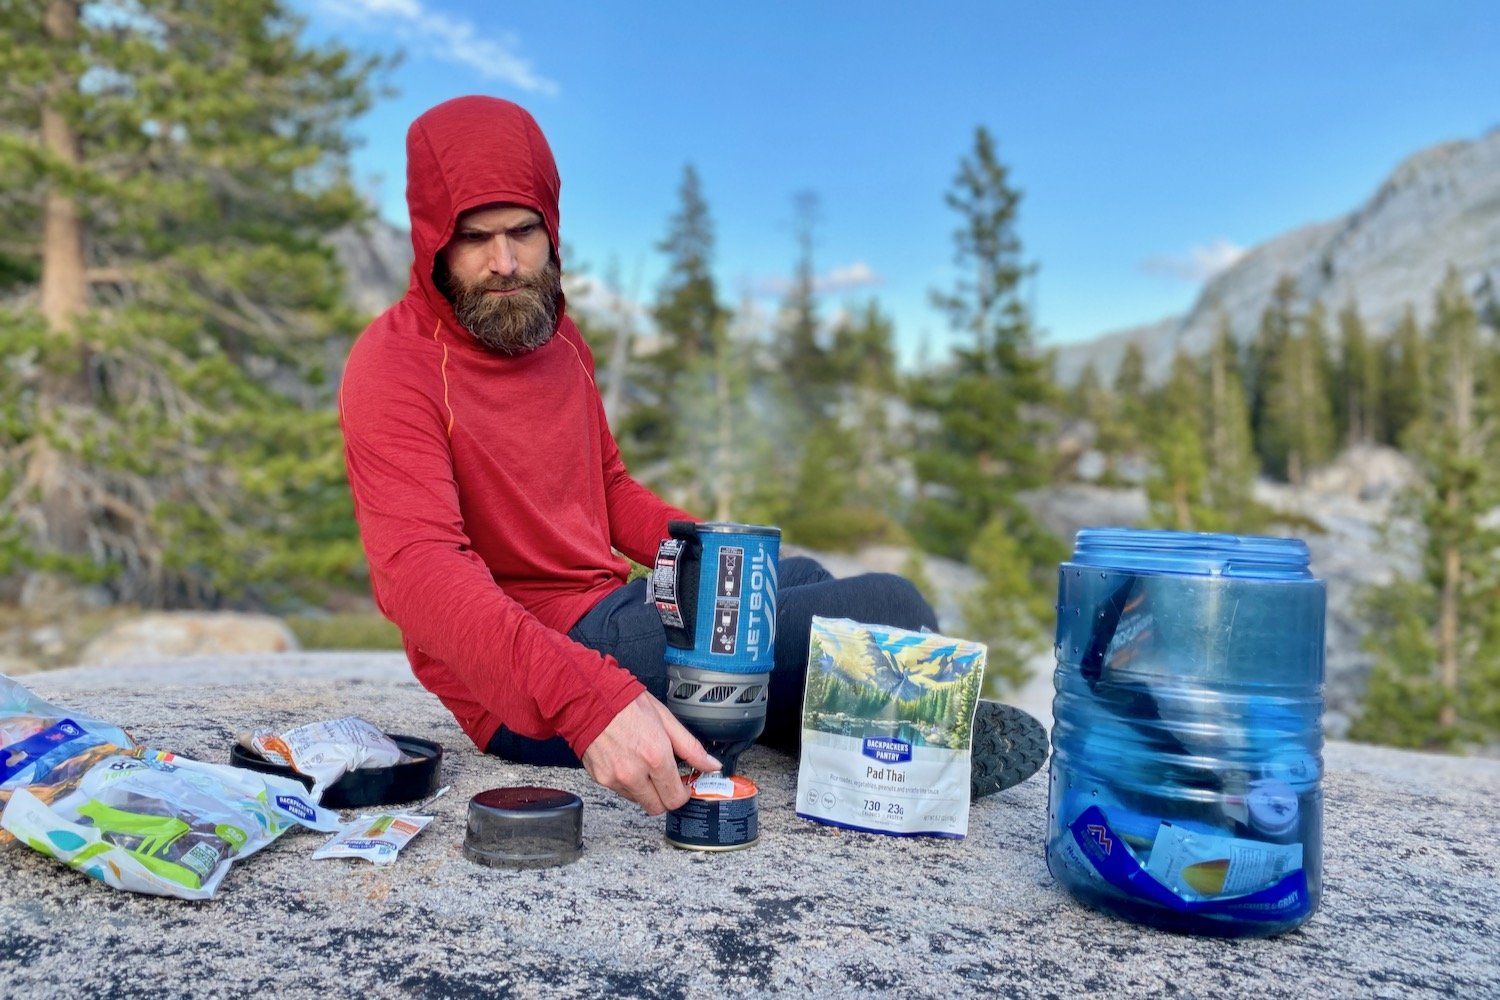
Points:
x=173 y=174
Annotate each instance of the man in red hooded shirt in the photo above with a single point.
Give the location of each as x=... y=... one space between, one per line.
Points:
x=491 y=498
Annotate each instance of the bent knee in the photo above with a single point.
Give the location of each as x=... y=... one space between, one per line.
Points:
x=904 y=605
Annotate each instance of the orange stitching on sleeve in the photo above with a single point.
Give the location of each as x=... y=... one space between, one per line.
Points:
x=587 y=374
x=444 y=369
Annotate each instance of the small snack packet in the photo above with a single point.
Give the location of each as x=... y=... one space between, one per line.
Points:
x=324 y=751
x=376 y=837
x=1205 y=867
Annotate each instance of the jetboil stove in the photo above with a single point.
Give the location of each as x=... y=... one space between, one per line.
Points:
x=714 y=585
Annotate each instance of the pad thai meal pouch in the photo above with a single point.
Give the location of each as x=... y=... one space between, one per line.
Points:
x=887 y=729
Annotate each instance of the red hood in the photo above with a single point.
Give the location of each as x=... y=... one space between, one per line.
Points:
x=468 y=152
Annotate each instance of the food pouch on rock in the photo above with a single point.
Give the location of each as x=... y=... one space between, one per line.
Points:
x=47 y=748
x=163 y=824
x=887 y=728
x=324 y=751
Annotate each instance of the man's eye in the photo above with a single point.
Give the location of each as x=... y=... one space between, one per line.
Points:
x=473 y=237
x=525 y=230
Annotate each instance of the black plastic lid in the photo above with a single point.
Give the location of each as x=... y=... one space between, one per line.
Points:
x=366 y=786
x=524 y=827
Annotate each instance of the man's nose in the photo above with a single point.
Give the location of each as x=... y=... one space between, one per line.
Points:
x=503 y=256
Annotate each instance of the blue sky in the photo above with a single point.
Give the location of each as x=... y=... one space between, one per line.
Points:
x=1152 y=141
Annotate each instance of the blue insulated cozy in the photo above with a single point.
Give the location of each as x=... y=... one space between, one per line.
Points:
x=714 y=585
x=1185 y=787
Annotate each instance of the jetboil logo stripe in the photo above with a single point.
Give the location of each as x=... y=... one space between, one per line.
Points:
x=760 y=631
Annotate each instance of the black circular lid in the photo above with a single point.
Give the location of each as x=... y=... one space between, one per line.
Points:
x=412 y=779
x=524 y=827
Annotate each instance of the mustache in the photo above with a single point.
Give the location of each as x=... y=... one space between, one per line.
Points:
x=510 y=284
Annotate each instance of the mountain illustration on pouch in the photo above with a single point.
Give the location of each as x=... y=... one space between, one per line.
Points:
x=870 y=673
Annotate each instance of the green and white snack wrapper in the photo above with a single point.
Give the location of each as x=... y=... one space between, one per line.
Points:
x=163 y=824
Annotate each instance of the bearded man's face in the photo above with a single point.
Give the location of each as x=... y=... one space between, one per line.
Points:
x=499 y=274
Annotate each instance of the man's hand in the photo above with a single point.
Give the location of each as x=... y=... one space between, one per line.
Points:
x=636 y=756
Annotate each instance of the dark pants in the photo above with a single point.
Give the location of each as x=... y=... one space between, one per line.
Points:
x=624 y=626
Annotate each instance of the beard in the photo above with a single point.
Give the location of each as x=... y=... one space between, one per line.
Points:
x=511 y=324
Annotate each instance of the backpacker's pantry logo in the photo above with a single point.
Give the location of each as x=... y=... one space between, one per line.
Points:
x=887 y=749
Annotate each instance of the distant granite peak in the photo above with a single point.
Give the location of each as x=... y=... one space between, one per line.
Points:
x=1439 y=208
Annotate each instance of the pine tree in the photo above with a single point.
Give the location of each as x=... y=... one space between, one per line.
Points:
x=1229 y=503
x=986 y=445
x=1093 y=402
x=694 y=379
x=862 y=373
x=847 y=459
x=1266 y=351
x=168 y=170
x=1297 y=431
x=1082 y=398
x=1406 y=385
x=1006 y=611
x=1180 y=477
x=1357 y=383
x=983 y=442
x=1130 y=393
x=1435 y=638
x=799 y=351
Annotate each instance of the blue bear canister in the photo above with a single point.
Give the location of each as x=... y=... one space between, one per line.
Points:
x=1187 y=743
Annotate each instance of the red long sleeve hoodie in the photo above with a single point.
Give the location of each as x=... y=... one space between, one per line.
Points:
x=489 y=491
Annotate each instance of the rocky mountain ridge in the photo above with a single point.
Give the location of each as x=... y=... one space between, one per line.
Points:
x=1439 y=208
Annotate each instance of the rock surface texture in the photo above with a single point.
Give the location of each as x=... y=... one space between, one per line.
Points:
x=1411 y=903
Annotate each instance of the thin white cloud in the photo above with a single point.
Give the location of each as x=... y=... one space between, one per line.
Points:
x=839 y=279
x=855 y=275
x=1198 y=264
x=608 y=304
x=447 y=38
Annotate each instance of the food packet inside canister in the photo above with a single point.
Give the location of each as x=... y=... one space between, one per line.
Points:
x=376 y=837
x=162 y=824
x=324 y=751
x=1196 y=866
x=47 y=748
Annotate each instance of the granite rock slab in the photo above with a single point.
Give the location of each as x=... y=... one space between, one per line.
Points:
x=1411 y=903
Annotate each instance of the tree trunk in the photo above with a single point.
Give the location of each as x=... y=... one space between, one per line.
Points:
x=1181 y=507
x=64 y=290
x=1448 y=632
x=619 y=355
x=724 y=500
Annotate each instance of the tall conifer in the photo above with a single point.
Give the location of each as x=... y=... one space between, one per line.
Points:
x=1232 y=465
x=1435 y=638
x=1179 y=479
x=168 y=170
x=1356 y=388
x=987 y=442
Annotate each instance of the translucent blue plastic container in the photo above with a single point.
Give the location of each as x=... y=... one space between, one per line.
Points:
x=1187 y=742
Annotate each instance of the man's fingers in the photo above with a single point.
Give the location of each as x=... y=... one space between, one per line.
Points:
x=636 y=756
x=670 y=790
x=640 y=789
x=686 y=746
